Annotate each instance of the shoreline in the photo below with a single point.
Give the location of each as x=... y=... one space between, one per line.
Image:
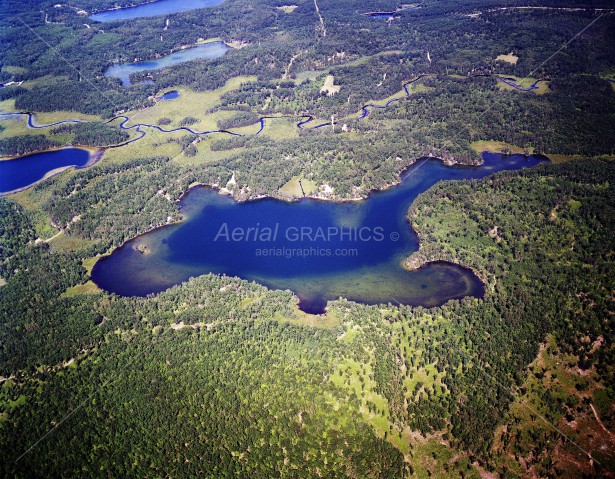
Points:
x=96 y=12
x=416 y=261
x=220 y=191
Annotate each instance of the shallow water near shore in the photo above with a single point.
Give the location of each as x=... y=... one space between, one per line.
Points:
x=321 y=250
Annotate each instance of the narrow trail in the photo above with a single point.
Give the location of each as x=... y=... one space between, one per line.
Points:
x=48 y=240
x=600 y=422
x=322 y=22
x=290 y=65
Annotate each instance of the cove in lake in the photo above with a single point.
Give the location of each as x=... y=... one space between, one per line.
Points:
x=152 y=9
x=206 y=51
x=26 y=170
x=358 y=256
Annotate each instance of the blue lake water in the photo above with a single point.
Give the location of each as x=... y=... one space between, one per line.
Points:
x=321 y=250
x=25 y=170
x=170 y=95
x=161 y=7
x=205 y=51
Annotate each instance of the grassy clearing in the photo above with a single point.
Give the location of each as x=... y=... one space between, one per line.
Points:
x=325 y=321
x=292 y=188
x=86 y=288
x=65 y=243
x=203 y=41
x=281 y=128
x=349 y=335
x=493 y=146
x=13 y=70
x=152 y=144
x=287 y=8
x=189 y=104
x=610 y=76
x=31 y=201
x=413 y=88
x=18 y=126
x=205 y=155
x=89 y=263
x=329 y=86
x=508 y=58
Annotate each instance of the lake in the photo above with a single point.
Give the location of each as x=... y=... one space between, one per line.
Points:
x=26 y=170
x=152 y=9
x=206 y=51
x=321 y=250
x=170 y=95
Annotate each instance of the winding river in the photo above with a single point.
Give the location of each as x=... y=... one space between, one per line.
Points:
x=320 y=250
x=305 y=122
x=513 y=83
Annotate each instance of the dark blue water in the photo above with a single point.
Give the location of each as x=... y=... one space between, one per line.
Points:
x=321 y=250
x=161 y=7
x=170 y=95
x=205 y=51
x=25 y=170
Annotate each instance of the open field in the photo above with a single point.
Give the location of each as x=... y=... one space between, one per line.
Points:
x=325 y=321
x=189 y=104
x=329 y=87
x=281 y=128
x=481 y=146
x=293 y=188
x=287 y=8
x=508 y=58
x=87 y=288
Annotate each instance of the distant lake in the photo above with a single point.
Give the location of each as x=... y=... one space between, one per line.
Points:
x=367 y=242
x=161 y=7
x=205 y=51
x=25 y=170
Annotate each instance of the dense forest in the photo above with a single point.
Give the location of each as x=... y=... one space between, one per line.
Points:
x=170 y=367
